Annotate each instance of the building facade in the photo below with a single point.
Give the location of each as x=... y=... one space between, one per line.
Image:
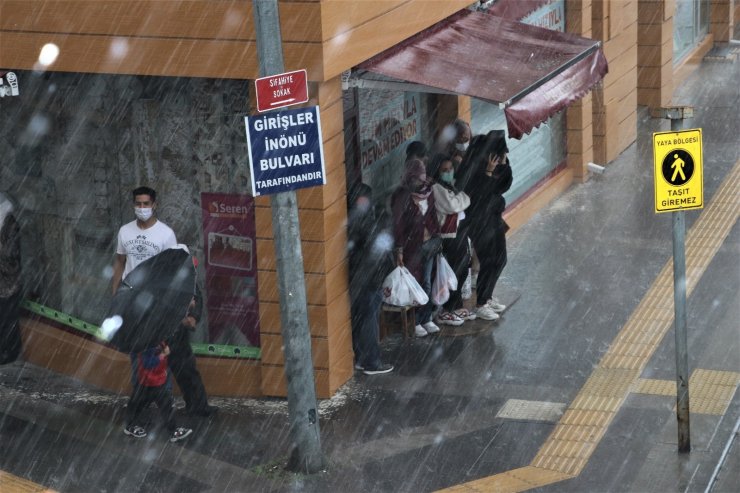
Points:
x=155 y=93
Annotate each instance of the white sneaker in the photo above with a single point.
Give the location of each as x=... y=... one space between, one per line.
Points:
x=431 y=327
x=420 y=331
x=485 y=312
x=496 y=305
x=449 y=318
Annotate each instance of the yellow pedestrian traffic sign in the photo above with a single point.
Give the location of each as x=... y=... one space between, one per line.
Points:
x=679 y=182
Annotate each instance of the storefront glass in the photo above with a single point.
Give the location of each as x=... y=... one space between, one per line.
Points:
x=534 y=156
x=690 y=25
x=74 y=146
x=388 y=121
x=540 y=152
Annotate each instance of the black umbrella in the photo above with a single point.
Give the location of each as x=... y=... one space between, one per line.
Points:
x=151 y=301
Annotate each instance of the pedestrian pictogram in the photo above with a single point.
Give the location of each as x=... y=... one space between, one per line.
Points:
x=678 y=170
x=678 y=167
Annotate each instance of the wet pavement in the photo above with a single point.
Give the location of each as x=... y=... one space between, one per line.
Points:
x=482 y=406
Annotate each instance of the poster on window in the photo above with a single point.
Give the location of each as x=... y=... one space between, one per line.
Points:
x=231 y=269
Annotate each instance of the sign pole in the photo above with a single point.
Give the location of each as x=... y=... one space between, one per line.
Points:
x=679 y=307
x=305 y=454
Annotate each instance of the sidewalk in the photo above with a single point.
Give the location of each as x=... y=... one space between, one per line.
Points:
x=530 y=401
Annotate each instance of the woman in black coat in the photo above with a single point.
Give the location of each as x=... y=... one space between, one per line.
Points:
x=490 y=177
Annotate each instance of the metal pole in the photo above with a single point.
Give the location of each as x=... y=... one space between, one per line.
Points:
x=679 y=306
x=305 y=442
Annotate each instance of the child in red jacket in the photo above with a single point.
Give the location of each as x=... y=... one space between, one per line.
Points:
x=151 y=377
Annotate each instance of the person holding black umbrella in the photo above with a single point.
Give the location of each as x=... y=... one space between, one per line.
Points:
x=139 y=241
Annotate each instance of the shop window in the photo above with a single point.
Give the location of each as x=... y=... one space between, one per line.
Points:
x=534 y=156
x=103 y=136
x=690 y=25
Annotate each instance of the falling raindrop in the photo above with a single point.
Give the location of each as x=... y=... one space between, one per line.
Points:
x=118 y=48
x=48 y=55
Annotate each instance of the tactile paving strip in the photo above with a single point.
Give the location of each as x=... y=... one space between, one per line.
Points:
x=570 y=445
x=710 y=391
x=10 y=483
x=521 y=479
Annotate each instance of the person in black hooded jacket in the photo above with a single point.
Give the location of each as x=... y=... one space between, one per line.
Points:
x=490 y=177
x=369 y=245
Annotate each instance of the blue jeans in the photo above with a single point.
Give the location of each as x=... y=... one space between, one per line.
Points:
x=366 y=303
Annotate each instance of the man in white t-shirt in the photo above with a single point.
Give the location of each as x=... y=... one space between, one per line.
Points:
x=140 y=239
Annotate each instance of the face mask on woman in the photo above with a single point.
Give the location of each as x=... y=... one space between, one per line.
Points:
x=143 y=213
x=461 y=147
x=447 y=176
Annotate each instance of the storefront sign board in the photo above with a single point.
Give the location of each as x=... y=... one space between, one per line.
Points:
x=679 y=181
x=281 y=90
x=229 y=240
x=285 y=150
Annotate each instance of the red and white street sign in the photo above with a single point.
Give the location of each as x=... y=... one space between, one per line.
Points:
x=278 y=91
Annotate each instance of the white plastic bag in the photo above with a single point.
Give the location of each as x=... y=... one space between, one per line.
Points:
x=401 y=289
x=467 y=288
x=444 y=281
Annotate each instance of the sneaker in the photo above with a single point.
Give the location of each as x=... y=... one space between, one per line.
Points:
x=134 y=431
x=378 y=370
x=465 y=314
x=497 y=307
x=420 y=331
x=485 y=312
x=430 y=327
x=449 y=318
x=179 y=434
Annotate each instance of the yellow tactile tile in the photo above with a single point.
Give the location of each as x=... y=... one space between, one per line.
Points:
x=586 y=418
x=716 y=377
x=710 y=391
x=10 y=483
x=565 y=465
x=591 y=434
x=655 y=387
x=633 y=349
x=609 y=382
x=516 y=480
x=623 y=362
x=589 y=402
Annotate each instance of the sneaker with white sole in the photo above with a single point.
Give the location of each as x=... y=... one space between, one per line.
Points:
x=378 y=370
x=420 y=331
x=179 y=434
x=485 y=312
x=135 y=431
x=449 y=318
x=496 y=305
x=430 y=327
x=465 y=314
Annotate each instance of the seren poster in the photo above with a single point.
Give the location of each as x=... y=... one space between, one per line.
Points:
x=231 y=269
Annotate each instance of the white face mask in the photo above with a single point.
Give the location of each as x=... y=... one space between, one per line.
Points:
x=461 y=147
x=143 y=213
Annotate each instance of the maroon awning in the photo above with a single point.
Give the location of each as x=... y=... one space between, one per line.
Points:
x=515 y=9
x=529 y=71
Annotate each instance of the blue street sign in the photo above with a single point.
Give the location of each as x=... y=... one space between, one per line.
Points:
x=285 y=150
